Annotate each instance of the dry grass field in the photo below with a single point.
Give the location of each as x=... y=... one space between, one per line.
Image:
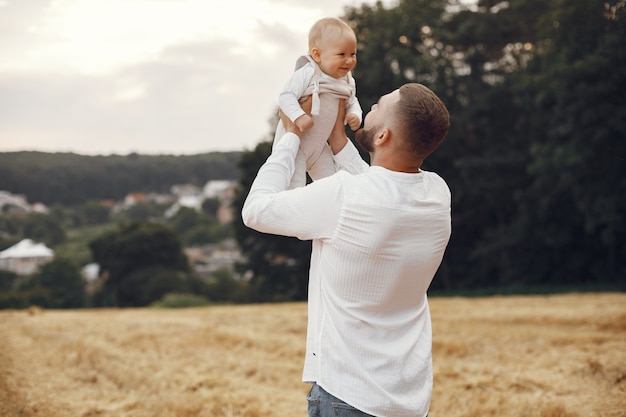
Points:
x=554 y=356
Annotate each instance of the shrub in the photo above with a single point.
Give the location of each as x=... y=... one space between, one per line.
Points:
x=181 y=300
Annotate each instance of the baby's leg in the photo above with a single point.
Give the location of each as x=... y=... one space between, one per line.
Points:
x=280 y=131
x=323 y=166
x=299 y=174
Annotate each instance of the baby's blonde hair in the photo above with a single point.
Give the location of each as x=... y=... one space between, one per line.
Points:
x=327 y=27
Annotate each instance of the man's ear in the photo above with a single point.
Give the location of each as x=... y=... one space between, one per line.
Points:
x=382 y=137
x=316 y=54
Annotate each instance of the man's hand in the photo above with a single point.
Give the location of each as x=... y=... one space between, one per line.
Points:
x=338 y=139
x=295 y=128
x=288 y=124
x=304 y=122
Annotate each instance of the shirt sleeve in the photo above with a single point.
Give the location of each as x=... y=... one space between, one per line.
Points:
x=310 y=212
x=293 y=91
x=349 y=159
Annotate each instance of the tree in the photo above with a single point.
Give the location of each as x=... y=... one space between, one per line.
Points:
x=534 y=157
x=535 y=101
x=279 y=264
x=210 y=206
x=61 y=282
x=463 y=56
x=143 y=210
x=198 y=228
x=43 y=228
x=7 y=280
x=223 y=287
x=184 y=219
x=93 y=212
x=484 y=158
x=72 y=179
x=573 y=106
x=146 y=285
x=142 y=262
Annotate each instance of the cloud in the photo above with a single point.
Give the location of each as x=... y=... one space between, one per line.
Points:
x=147 y=76
x=193 y=97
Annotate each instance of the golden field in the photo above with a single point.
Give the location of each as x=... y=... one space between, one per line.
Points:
x=545 y=356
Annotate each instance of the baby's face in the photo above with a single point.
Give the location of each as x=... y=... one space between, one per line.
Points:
x=337 y=56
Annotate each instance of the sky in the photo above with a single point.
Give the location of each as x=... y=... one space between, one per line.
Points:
x=148 y=76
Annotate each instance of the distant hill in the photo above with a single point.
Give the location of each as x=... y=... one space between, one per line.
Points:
x=71 y=179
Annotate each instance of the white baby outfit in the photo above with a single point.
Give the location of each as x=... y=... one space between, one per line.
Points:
x=314 y=155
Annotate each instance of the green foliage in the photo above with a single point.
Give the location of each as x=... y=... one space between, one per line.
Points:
x=223 y=287
x=57 y=284
x=176 y=300
x=143 y=286
x=186 y=218
x=144 y=210
x=571 y=99
x=142 y=262
x=43 y=228
x=21 y=299
x=535 y=157
x=210 y=206
x=279 y=264
x=72 y=179
x=10 y=226
x=7 y=280
x=76 y=245
x=197 y=228
x=93 y=212
x=36 y=226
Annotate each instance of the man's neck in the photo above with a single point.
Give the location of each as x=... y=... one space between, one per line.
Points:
x=395 y=164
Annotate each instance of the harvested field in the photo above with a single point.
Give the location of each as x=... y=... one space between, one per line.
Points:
x=552 y=356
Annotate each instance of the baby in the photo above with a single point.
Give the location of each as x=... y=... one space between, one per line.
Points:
x=324 y=74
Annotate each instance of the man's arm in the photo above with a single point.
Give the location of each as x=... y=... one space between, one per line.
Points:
x=306 y=212
x=346 y=156
x=338 y=139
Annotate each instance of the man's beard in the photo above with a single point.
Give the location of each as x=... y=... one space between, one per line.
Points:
x=365 y=138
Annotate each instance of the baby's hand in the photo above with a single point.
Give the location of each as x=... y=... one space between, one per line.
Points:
x=353 y=121
x=304 y=122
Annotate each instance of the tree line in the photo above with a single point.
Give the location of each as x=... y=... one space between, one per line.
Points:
x=71 y=179
x=141 y=263
x=536 y=155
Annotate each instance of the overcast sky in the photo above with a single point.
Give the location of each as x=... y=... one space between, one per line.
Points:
x=147 y=76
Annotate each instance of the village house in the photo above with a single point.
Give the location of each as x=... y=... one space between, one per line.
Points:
x=207 y=259
x=191 y=196
x=17 y=205
x=25 y=257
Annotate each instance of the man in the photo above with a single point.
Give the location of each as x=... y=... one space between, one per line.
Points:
x=379 y=234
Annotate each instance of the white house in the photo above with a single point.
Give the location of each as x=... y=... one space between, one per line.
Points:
x=24 y=257
x=192 y=197
x=16 y=204
x=218 y=188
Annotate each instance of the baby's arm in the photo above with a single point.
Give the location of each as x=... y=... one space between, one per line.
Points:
x=354 y=113
x=288 y=100
x=353 y=120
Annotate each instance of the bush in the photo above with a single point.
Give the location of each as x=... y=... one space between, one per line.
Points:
x=23 y=299
x=181 y=300
x=7 y=280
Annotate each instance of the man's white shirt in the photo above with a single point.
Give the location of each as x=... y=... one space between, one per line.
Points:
x=378 y=238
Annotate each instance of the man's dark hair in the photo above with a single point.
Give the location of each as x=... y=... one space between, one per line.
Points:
x=423 y=118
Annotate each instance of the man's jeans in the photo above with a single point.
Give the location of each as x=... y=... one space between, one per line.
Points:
x=322 y=404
